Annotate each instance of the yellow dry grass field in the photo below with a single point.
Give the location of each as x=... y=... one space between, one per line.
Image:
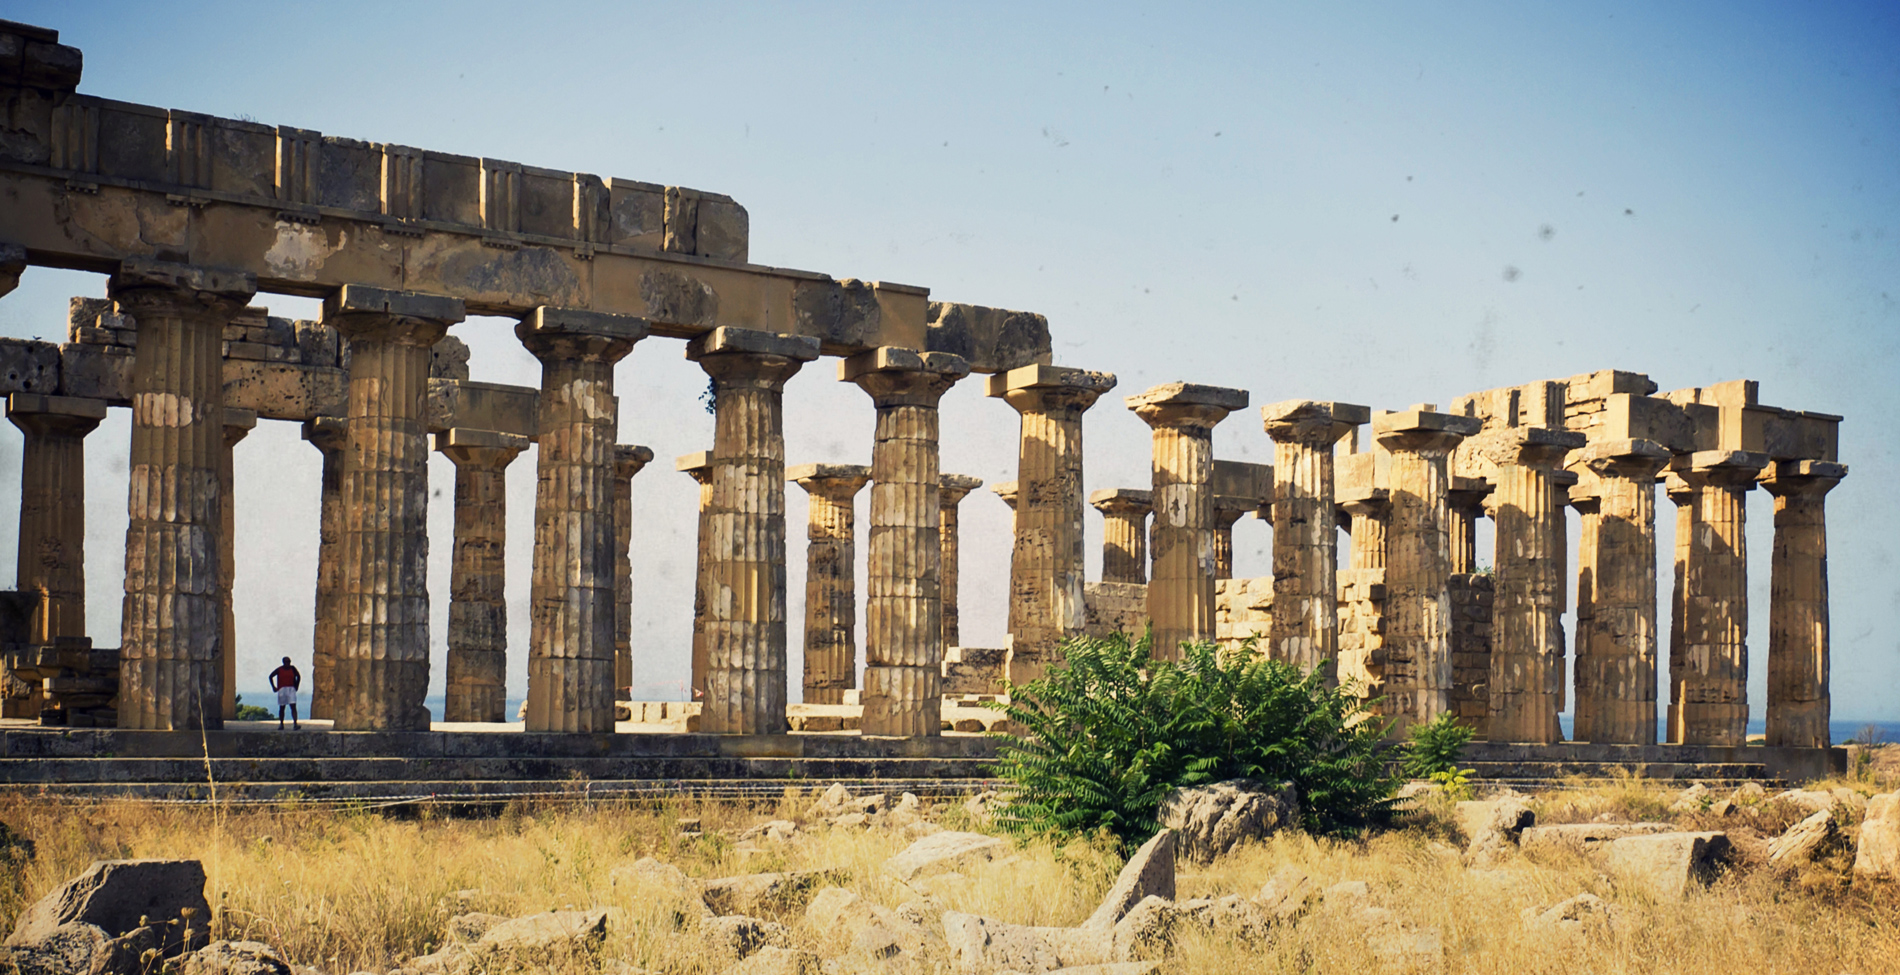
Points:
x=349 y=891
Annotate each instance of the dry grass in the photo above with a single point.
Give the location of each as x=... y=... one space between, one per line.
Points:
x=350 y=891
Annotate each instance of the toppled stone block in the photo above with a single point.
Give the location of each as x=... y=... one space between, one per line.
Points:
x=1149 y=873
x=768 y=893
x=468 y=928
x=738 y=936
x=1287 y=894
x=1804 y=840
x=1693 y=799
x=1667 y=864
x=118 y=896
x=778 y=830
x=63 y=950
x=545 y=939
x=1212 y=820
x=1146 y=932
x=1230 y=918
x=1492 y=827
x=777 y=960
x=1583 y=837
x=235 y=958
x=1807 y=800
x=942 y=852
x=873 y=930
x=1878 y=854
x=1582 y=911
x=984 y=944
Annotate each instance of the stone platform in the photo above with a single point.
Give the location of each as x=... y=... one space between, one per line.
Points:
x=1547 y=764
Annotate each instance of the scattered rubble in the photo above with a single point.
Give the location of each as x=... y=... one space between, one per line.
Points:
x=1213 y=819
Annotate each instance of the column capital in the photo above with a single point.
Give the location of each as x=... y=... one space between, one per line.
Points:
x=631 y=459
x=1313 y=423
x=12 y=265
x=238 y=424
x=750 y=357
x=142 y=284
x=326 y=432
x=696 y=465
x=61 y=415
x=1806 y=480
x=490 y=449
x=1419 y=430
x=405 y=317
x=899 y=377
x=1007 y=491
x=953 y=488
x=1039 y=388
x=1186 y=405
x=1541 y=447
x=834 y=481
x=573 y=334
x=1122 y=501
x=1718 y=468
x=1374 y=503
x=1634 y=460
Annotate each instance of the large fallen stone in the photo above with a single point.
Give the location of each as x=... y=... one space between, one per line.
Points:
x=1807 y=800
x=1146 y=932
x=468 y=928
x=545 y=939
x=1150 y=872
x=1802 y=841
x=1583 y=837
x=776 y=960
x=765 y=893
x=117 y=896
x=1230 y=918
x=984 y=944
x=1491 y=827
x=1212 y=819
x=1667 y=864
x=1693 y=799
x=737 y=936
x=69 y=948
x=235 y=958
x=941 y=852
x=873 y=929
x=1576 y=914
x=1878 y=854
x=1287 y=894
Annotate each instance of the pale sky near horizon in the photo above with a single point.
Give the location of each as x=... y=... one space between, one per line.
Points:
x=1384 y=204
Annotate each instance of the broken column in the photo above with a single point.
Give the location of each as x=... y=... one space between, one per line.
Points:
x=745 y=555
x=1798 y=700
x=1181 y=588
x=1418 y=563
x=1616 y=591
x=831 y=591
x=172 y=628
x=1527 y=640
x=698 y=466
x=951 y=490
x=52 y=555
x=1124 y=533
x=477 y=665
x=571 y=600
x=1046 y=570
x=903 y=640
x=1708 y=652
x=382 y=666
x=1305 y=533
x=329 y=435
x=629 y=459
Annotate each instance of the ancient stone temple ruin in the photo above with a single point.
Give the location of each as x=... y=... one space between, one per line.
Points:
x=191 y=217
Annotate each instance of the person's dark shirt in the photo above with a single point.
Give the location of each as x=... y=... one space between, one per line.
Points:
x=285 y=676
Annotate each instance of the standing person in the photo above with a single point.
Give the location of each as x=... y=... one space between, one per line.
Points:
x=285 y=680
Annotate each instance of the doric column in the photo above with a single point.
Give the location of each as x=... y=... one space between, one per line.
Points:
x=1418 y=563
x=1798 y=700
x=329 y=435
x=831 y=590
x=1046 y=565
x=172 y=630
x=1708 y=651
x=698 y=466
x=903 y=640
x=1305 y=533
x=477 y=679
x=629 y=459
x=238 y=424
x=1124 y=533
x=571 y=599
x=1527 y=637
x=1181 y=588
x=1464 y=505
x=1227 y=511
x=382 y=664
x=52 y=560
x=951 y=490
x=1616 y=591
x=1369 y=515
x=745 y=574
x=1007 y=491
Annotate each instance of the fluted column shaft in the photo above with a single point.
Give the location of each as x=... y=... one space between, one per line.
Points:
x=172 y=630
x=1708 y=656
x=745 y=570
x=1124 y=534
x=1305 y=630
x=52 y=555
x=571 y=597
x=1224 y=519
x=903 y=640
x=831 y=592
x=477 y=665
x=1181 y=584
x=951 y=490
x=1616 y=594
x=1798 y=646
x=237 y=426
x=329 y=435
x=629 y=459
x=1527 y=640
x=1370 y=519
x=382 y=665
x=698 y=466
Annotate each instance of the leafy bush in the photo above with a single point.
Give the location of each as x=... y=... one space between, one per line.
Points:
x=1435 y=746
x=250 y=712
x=1110 y=733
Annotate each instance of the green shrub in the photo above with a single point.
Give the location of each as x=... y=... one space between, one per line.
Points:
x=1111 y=732
x=1435 y=747
x=250 y=712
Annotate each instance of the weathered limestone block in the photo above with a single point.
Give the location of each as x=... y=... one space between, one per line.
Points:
x=1798 y=645
x=745 y=570
x=330 y=435
x=1305 y=532
x=951 y=490
x=629 y=459
x=1181 y=589
x=1583 y=837
x=382 y=665
x=1492 y=827
x=1417 y=664
x=1616 y=591
x=903 y=641
x=1878 y=854
x=942 y=852
x=1527 y=653
x=1243 y=611
x=1149 y=873
x=1800 y=842
x=477 y=679
x=974 y=670
x=831 y=595
x=52 y=558
x=120 y=896
x=1213 y=819
x=171 y=676
x=1124 y=533
x=237 y=425
x=1115 y=607
x=991 y=340
x=1239 y=489
x=1666 y=865
x=1708 y=648
x=1046 y=571
x=1362 y=596
x=698 y=466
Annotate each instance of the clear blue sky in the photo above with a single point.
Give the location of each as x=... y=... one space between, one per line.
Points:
x=1377 y=203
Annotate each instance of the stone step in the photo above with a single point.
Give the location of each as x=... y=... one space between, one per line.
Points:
x=477 y=791
x=1559 y=770
x=193 y=771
